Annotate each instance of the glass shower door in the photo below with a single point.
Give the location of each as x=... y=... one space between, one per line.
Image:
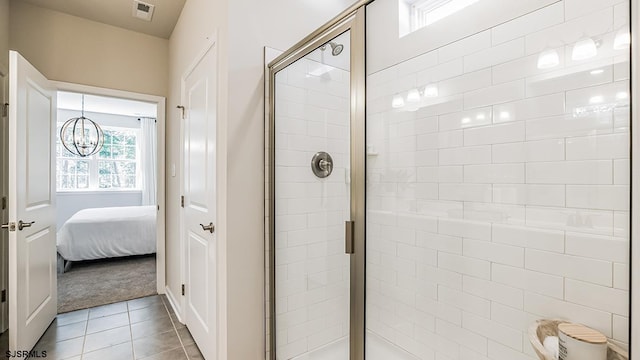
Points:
x=312 y=202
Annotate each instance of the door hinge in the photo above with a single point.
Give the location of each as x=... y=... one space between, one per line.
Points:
x=182 y=289
x=158 y=207
x=4 y=202
x=3 y=297
x=5 y=109
x=182 y=201
x=348 y=237
x=181 y=108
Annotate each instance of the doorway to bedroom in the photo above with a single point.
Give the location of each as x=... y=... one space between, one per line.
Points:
x=107 y=205
x=32 y=159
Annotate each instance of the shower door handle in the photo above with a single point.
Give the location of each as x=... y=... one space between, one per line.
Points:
x=348 y=237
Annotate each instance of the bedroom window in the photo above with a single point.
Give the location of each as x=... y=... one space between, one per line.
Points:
x=115 y=167
x=117 y=160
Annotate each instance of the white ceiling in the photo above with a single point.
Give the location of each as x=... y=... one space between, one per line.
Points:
x=105 y=105
x=119 y=13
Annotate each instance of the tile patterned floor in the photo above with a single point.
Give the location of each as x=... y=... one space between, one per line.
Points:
x=144 y=328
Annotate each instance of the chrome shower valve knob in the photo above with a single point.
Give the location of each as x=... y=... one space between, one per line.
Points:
x=322 y=164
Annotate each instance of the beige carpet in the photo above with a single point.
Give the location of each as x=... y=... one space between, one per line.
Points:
x=100 y=282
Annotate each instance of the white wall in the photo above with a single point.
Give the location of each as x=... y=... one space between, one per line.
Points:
x=504 y=199
x=71 y=49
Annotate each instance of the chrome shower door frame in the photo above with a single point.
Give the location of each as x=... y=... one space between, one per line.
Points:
x=634 y=268
x=352 y=19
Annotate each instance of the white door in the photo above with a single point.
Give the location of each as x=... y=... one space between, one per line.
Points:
x=32 y=229
x=199 y=215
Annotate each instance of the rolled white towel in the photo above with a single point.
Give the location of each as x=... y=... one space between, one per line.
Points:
x=552 y=345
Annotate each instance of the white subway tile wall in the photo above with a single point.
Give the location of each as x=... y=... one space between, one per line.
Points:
x=504 y=196
x=312 y=270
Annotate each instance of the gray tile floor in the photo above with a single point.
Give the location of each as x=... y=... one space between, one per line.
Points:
x=144 y=328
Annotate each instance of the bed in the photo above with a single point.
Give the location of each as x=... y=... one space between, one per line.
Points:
x=99 y=233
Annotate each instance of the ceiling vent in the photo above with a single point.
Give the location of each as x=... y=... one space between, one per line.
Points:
x=142 y=10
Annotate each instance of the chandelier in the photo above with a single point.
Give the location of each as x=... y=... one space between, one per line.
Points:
x=81 y=136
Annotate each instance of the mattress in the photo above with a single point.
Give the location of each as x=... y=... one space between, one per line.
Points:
x=99 y=233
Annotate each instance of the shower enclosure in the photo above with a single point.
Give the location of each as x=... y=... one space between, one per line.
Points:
x=481 y=183
x=317 y=183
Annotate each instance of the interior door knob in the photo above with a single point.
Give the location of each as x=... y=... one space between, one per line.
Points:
x=22 y=224
x=210 y=228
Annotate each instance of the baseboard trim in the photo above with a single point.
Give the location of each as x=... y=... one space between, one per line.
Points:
x=174 y=304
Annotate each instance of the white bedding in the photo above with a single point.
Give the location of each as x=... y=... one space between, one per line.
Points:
x=108 y=232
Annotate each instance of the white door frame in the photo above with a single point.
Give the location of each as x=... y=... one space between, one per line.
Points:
x=4 y=186
x=160 y=191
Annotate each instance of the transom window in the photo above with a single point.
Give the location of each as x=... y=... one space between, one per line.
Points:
x=416 y=14
x=115 y=167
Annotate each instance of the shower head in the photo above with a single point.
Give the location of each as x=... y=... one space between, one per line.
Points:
x=336 y=49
